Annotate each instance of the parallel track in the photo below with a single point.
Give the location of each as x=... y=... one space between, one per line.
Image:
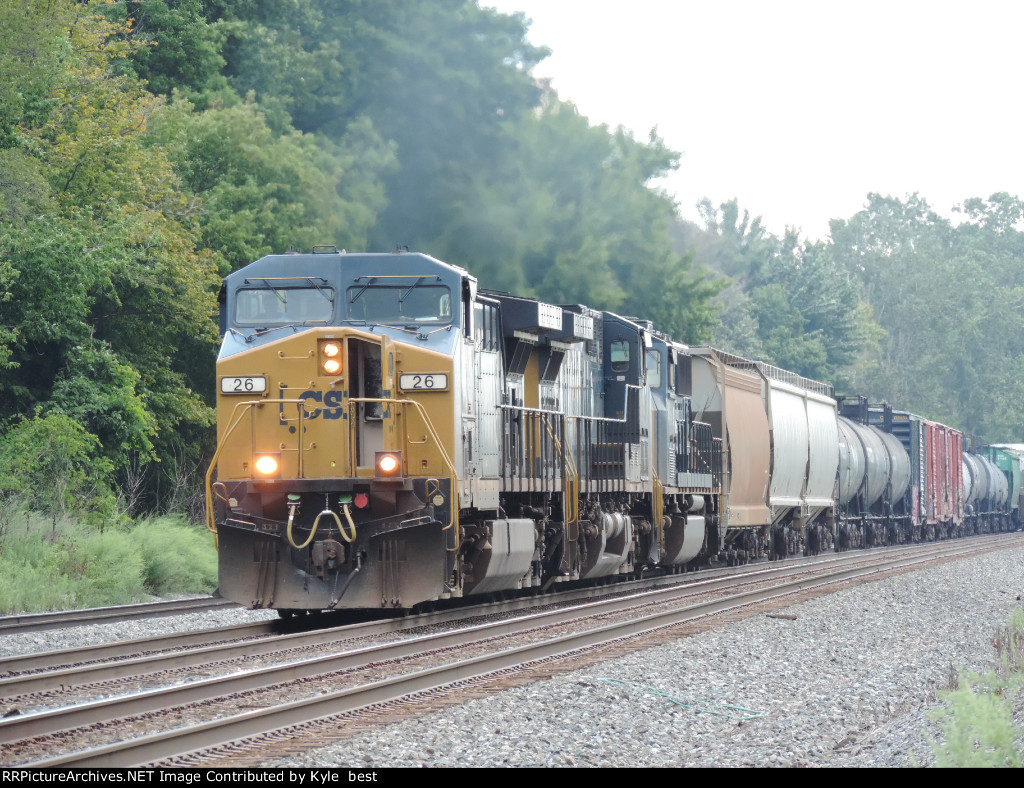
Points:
x=176 y=744
x=36 y=622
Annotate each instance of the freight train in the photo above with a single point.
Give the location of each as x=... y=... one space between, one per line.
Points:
x=390 y=434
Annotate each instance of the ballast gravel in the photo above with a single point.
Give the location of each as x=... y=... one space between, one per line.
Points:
x=115 y=631
x=850 y=680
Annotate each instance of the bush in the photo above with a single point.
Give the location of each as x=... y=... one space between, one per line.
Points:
x=54 y=564
x=48 y=564
x=977 y=716
x=179 y=557
x=51 y=462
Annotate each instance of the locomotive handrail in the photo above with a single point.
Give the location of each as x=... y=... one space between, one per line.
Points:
x=453 y=477
x=567 y=416
x=658 y=506
x=572 y=511
x=211 y=526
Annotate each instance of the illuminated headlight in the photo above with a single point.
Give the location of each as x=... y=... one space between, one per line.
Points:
x=330 y=357
x=388 y=464
x=268 y=465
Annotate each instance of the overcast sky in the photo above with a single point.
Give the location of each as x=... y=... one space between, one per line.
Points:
x=800 y=108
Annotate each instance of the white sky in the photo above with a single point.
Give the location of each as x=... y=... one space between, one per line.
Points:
x=801 y=108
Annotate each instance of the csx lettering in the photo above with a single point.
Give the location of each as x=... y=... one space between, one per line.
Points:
x=332 y=405
x=313 y=395
x=331 y=400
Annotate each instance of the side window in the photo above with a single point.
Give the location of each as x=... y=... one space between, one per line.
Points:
x=619 y=350
x=478 y=323
x=486 y=333
x=654 y=369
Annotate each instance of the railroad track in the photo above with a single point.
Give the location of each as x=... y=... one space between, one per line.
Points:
x=424 y=668
x=34 y=622
x=113 y=664
x=76 y=663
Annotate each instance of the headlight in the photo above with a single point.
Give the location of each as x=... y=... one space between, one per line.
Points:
x=388 y=464
x=268 y=465
x=330 y=357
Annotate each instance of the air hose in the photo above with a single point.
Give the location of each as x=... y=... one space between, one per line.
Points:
x=348 y=537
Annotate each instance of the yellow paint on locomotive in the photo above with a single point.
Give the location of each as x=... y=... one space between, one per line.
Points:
x=311 y=421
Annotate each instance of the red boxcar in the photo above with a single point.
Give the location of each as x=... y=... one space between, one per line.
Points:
x=944 y=484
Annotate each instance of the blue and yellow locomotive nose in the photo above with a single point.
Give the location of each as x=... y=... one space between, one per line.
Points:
x=330 y=474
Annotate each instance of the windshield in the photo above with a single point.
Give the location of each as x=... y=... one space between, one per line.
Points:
x=409 y=303
x=268 y=306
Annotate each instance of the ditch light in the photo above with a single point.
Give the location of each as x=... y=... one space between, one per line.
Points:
x=388 y=464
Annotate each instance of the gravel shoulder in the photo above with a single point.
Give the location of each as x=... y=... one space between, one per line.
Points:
x=847 y=683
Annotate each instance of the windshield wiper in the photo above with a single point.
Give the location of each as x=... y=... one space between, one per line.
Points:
x=260 y=330
x=413 y=286
x=362 y=289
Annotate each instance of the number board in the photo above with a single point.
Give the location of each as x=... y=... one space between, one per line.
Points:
x=243 y=385
x=423 y=381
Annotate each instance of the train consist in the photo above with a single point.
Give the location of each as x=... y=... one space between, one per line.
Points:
x=389 y=434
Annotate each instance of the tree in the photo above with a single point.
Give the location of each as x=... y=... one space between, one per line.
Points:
x=253 y=192
x=949 y=299
x=791 y=304
x=108 y=298
x=571 y=218
x=51 y=463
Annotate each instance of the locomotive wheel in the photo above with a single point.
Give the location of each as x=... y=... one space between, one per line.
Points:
x=779 y=545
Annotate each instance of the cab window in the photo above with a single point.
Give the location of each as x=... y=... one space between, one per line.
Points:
x=414 y=303
x=654 y=369
x=487 y=333
x=619 y=353
x=258 y=306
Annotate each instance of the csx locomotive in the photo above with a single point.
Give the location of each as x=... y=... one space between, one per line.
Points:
x=389 y=435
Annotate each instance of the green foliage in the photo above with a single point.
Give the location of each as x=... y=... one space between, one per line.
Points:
x=978 y=725
x=178 y=557
x=977 y=716
x=573 y=220
x=791 y=304
x=106 y=301
x=949 y=299
x=1009 y=643
x=52 y=464
x=264 y=192
x=68 y=564
x=32 y=51
x=33 y=572
x=99 y=392
x=182 y=49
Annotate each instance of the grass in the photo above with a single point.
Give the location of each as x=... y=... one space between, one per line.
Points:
x=977 y=716
x=47 y=565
